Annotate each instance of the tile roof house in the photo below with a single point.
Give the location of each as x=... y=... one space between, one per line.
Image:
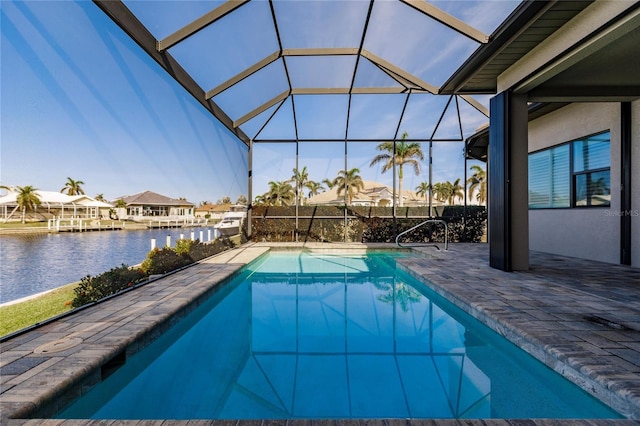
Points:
x=150 y=204
x=373 y=194
x=215 y=211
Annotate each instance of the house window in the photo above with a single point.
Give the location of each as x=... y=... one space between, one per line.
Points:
x=549 y=178
x=574 y=174
x=591 y=171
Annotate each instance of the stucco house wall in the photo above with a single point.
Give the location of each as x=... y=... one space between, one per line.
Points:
x=590 y=233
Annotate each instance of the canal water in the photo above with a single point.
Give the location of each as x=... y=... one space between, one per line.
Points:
x=33 y=263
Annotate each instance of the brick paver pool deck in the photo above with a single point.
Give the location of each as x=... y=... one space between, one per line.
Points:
x=581 y=318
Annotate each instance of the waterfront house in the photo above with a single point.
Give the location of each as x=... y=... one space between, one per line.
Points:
x=212 y=211
x=148 y=204
x=373 y=194
x=55 y=205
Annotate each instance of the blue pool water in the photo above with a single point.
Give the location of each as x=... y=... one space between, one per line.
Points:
x=306 y=336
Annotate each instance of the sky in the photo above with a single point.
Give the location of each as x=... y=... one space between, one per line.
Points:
x=81 y=100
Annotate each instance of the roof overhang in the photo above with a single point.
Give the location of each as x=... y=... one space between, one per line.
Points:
x=601 y=66
x=527 y=26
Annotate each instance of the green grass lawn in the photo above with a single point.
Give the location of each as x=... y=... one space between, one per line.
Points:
x=14 y=225
x=24 y=314
x=32 y=311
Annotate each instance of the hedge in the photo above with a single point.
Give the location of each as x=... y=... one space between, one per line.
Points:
x=95 y=288
x=158 y=261
x=365 y=224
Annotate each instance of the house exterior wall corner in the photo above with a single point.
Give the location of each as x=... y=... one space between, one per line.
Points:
x=588 y=232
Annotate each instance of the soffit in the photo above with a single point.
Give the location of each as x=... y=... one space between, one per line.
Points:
x=524 y=29
x=612 y=73
x=602 y=67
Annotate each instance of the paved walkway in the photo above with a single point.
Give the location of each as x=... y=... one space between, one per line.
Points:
x=581 y=318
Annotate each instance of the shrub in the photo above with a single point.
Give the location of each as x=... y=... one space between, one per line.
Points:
x=466 y=229
x=183 y=247
x=158 y=261
x=460 y=228
x=161 y=261
x=166 y=259
x=198 y=251
x=95 y=288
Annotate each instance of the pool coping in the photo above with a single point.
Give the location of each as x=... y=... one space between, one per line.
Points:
x=116 y=329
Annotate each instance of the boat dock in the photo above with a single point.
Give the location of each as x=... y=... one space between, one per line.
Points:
x=89 y=225
x=176 y=223
x=76 y=225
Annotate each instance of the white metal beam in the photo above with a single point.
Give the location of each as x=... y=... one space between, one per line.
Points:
x=448 y=20
x=265 y=106
x=420 y=84
x=317 y=91
x=242 y=75
x=333 y=51
x=345 y=90
x=200 y=23
x=477 y=105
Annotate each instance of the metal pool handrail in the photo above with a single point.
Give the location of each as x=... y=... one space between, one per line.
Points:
x=446 y=235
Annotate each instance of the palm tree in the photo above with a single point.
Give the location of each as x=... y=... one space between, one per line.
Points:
x=478 y=181
x=447 y=191
x=300 y=179
x=72 y=187
x=402 y=294
x=423 y=189
x=330 y=183
x=599 y=187
x=405 y=153
x=260 y=200
x=314 y=188
x=441 y=191
x=100 y=197
x=349 y=182
x=242 y=200
x=27 y=199
x=457 y=191
x=280 y=194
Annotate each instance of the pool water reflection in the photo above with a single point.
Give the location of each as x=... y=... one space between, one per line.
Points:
x=306 y=336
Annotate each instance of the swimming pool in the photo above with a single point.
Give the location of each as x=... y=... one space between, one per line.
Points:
x=298 y=335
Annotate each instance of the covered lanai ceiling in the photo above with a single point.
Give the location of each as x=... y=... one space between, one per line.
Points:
x=324 y=70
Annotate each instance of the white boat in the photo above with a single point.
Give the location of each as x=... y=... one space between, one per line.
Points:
x=231 y=221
